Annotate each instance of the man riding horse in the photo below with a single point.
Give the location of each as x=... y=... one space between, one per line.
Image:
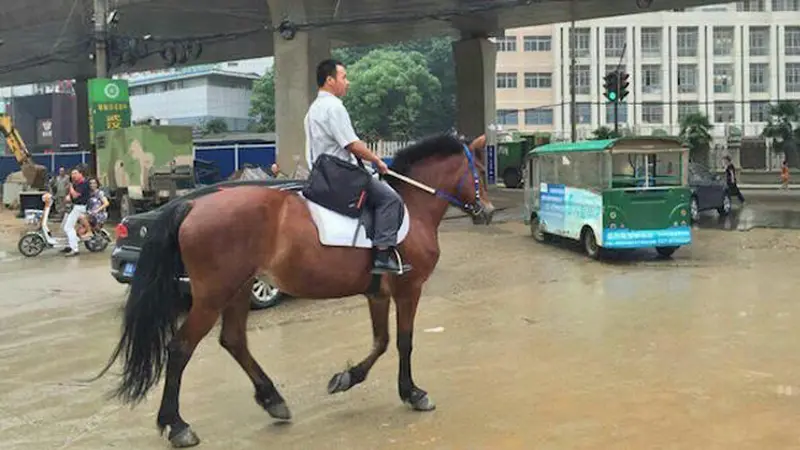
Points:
x=330 y=131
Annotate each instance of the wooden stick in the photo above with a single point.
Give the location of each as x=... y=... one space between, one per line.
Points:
x=412 y=182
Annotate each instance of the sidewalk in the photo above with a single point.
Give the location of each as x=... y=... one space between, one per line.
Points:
x=775 y=186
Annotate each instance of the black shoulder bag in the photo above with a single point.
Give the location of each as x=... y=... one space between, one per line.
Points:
x=337 y=184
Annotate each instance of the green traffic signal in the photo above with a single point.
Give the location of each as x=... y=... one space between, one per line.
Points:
x=612 y=96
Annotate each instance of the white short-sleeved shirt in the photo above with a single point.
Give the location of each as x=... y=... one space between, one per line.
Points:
x=328 y=129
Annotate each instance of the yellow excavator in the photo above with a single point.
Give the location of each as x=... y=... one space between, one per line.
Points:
x=35 y=174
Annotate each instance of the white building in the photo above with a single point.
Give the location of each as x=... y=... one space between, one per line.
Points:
x=194 y=96
x=729 y=61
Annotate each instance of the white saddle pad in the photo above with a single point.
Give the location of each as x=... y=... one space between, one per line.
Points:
x=337 y=230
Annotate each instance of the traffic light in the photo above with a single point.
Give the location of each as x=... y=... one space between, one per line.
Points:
x=622 y=91
x=611 y=86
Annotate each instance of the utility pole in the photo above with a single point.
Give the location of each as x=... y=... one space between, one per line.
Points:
x=573 y=113
x=100 y=49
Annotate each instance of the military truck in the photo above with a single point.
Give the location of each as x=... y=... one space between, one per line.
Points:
x=144 y=166
x=511 y=150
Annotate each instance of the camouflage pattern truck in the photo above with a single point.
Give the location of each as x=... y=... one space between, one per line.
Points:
x=142 y=167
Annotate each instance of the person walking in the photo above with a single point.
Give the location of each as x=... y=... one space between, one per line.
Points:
x=730 y=179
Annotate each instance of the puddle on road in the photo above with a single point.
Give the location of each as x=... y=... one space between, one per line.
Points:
x=748 y=218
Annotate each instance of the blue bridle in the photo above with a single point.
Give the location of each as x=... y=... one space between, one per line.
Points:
x=475 y=208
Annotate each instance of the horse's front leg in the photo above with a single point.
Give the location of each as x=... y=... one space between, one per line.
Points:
x=406 y=297
x=379 y=312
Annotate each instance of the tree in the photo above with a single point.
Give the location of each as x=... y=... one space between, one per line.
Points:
x=604 y=132
x=439 y=111
x=262 y=103
x=695 y=132
x=435 y=114
x=215 y=126
x=388 y=93
x=780 y=127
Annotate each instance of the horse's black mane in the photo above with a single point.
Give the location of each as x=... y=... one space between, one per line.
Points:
x=441 y=145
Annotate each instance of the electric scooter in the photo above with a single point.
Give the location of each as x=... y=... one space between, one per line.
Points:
x=34 y=242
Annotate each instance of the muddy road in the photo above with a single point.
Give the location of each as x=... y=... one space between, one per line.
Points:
x=522 y=346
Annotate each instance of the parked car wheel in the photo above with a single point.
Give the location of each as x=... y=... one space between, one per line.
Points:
x=589 y=243
x=725 y=209
x=694 y=210
x=537 y=231
x=512 y=178
x=666 y=252
x=263 y=295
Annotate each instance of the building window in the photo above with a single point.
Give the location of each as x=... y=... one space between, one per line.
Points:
x=582 y=42
x=506 y=80
x=786 y=5
x=651 y=42
x=792 y=38
x=750 y=6
x=792 y=77
x=759 y=111
x=539 y=116
x=507 y=117
x=651 y=79
x=616 y=38
x=723 y=41
x=584 y=111
x=759 y=41
x=506 y=44
x=723 y=78
x=653 y=113
x=538 y=80
x=537 y=43
x=687 y=41
x=686 y=108
x=622 y=113
x=759 y=77
x=612 y=67
x=583 y=80
x=724 y=112
x=687 y=78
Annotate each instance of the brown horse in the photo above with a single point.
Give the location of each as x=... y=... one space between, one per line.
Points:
x=225 y=239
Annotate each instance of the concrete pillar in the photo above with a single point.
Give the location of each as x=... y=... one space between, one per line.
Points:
x=295 y=81
x=475 y=91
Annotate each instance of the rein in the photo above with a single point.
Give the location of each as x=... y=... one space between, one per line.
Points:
x=471 y=208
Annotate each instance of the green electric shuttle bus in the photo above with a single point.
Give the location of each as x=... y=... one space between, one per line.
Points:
x=621 y=193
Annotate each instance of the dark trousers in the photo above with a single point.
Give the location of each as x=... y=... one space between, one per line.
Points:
x=733 y=190
x=387 y=210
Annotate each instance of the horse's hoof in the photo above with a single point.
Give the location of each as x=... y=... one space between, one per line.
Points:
x=339 y=382
x=423 y=403
x=279 y=411
x=184 y=438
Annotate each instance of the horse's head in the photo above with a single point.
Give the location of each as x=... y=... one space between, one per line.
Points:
x=482 y=209
x=455 y=169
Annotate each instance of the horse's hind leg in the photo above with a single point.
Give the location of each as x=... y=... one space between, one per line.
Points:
x=234 y=339
x=198 y=323
x=379 y=312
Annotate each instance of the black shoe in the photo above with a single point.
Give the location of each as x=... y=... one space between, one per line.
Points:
x=71 y=253
x=386 y=262
x=66 y=250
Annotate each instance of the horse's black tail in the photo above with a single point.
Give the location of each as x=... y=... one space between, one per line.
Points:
x=153 y=307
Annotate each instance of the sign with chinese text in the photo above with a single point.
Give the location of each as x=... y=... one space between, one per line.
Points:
x=44 y=132
x=109 y=105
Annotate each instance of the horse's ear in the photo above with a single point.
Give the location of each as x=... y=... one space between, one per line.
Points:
x=478 y=145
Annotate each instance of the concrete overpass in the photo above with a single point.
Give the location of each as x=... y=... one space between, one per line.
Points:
x=55 y=39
